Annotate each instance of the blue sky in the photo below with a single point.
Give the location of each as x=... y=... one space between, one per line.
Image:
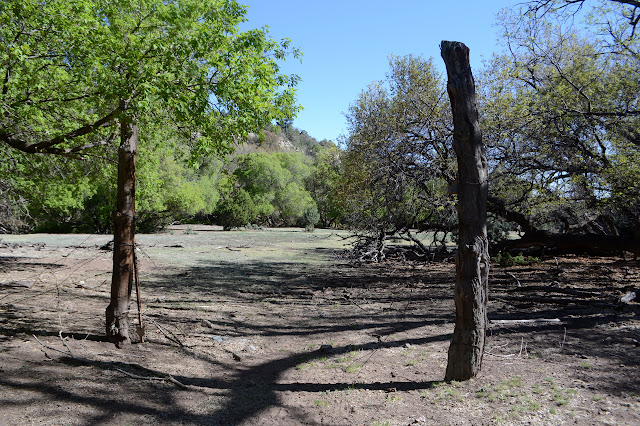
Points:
x=346 y=44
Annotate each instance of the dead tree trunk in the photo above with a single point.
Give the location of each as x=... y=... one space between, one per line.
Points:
x=117 y=312
x=472 y=256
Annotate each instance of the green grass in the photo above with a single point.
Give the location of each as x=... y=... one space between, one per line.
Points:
x=394 y=398
x=353 y=368
x=321 y=403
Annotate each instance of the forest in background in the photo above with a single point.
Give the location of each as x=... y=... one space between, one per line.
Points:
x=559 y=110
x=276 y=178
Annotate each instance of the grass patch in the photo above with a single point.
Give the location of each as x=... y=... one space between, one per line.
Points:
x=505 y=259
x=321 y=403
x=394 y=398
x=353 y=368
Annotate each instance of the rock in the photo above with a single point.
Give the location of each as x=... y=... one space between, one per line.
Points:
x=630 y=296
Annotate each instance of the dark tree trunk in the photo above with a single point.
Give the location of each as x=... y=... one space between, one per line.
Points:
x=472 y=256
x=117 y=312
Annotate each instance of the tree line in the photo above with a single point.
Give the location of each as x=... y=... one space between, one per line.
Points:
x=559 y=110
x=278 y=177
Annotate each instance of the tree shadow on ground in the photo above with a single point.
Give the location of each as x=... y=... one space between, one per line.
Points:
x=24 y=264
x=379 y=300
x=250 y=392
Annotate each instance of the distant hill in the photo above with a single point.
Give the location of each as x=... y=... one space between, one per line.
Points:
x=275 y=139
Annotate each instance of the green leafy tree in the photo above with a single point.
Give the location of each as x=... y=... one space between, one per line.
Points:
x=399 y=160
x=324 y=181
x=276 y=184
x=76 y=75
x=561 y=117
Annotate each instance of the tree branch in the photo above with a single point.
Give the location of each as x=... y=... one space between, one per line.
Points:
x=50 y=146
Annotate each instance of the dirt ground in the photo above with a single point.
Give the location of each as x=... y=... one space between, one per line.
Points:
x=274 y=327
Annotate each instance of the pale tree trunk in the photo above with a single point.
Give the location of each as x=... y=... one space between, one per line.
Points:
x=472 y=256
x=117 y=312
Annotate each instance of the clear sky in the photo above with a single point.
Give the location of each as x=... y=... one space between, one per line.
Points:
x=347 y=43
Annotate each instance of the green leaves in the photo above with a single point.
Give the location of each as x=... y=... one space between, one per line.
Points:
x=67 y=64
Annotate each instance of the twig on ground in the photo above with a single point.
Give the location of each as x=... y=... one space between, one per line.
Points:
x=523 y=321
x=168 y=334
x=514 y=278
x=500 y=356
x=49 y=347
x=68 y=352
x=526 y=354
x=169 y=378
x=65 y=345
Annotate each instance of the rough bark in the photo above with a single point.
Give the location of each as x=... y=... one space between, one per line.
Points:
x=117 y=313
x=472 y=257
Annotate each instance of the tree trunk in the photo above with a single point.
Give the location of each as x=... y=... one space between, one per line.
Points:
x=117 y=312
x=472 y=256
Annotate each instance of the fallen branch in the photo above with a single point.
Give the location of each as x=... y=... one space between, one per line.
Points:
x=514 y=278
x=168 y=334
x=68 y=352
x=554 y=289
x=524 y=321
x=49 y=347
x=66 y=346
x=169 y=378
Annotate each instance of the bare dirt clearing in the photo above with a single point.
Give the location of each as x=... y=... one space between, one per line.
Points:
x=271 y=327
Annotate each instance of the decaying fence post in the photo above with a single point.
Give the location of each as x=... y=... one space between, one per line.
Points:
x=472 y=257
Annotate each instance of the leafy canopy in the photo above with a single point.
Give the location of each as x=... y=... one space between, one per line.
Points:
x=68 y=69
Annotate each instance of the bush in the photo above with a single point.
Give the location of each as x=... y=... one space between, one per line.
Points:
x=310 y=217
x=237 y=210
x=505 y=259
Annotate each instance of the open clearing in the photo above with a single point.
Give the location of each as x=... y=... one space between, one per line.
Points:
x=274 y=327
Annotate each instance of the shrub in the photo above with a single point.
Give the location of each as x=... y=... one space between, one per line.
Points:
x=310 y=217
x=236 y=211
x=505 y=259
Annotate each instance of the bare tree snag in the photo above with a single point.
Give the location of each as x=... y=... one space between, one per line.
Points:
x=472 y=256
x=117 y=313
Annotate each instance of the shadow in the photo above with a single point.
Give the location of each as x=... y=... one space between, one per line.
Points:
x=25 y=264
x=249 y=392
x=379 y=300
x=14 y=322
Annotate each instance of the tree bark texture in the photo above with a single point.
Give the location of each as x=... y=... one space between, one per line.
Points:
x=472 y=257
x=117 y=313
